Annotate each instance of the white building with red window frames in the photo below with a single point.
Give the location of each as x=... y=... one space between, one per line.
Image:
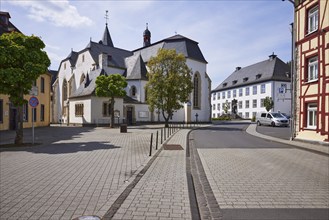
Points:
x=312 y=70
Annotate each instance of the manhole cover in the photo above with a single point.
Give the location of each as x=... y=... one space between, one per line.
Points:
x=172 y=147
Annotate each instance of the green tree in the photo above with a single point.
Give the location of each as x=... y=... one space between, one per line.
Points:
x=112 y=86
x=268 y=103
x=22 y=61
x=169 y=82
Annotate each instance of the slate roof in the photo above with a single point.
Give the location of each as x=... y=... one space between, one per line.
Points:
x=117 y=55
x=136 y=68
x=7 y=28
x=88 y=86
x=107 y=40
x=182 y=45
x=272 y=69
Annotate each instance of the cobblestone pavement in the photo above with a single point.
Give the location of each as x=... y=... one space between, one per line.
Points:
x=82 y=174
x=162 y=193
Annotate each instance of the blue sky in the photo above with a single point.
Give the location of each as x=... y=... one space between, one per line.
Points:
x=230 y=33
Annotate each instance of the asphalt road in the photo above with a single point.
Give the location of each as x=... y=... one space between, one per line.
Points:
x=279 y=132
x=254 y=178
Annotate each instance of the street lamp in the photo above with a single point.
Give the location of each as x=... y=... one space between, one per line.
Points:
x=196 y=117
x=292 y=78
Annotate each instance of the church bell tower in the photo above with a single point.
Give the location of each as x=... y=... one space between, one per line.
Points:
x=146 y=37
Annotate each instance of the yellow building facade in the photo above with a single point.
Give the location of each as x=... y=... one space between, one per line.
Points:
x=42 y=113
x=312 y=70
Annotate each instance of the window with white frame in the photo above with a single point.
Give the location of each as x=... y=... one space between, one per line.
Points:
x=234 y=93
x=313 y=19
x=312 y=74
x=247 y=91
x=240 y=92
x=311 y=115
x=262 y=88
x=247 y=115
x=214 y=96
x=213 y=107
x=218 y=95
x=254 y=90
x=106 y=109
x=218 y=106
x=228 y=94
x=240 y=105
x=247 y=104
x=223 y=95
x=254 y=103
x=262 y=102
x=78 y=110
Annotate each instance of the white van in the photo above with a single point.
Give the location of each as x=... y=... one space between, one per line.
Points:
x=272 y=118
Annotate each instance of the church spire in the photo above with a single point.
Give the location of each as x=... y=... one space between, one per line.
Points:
x=106 y=36
x=146 y=36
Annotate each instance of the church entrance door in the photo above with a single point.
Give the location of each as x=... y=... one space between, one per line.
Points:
x=129 y=115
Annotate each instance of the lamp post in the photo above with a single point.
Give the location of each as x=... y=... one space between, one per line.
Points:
x=196 y=117
x=292 y=78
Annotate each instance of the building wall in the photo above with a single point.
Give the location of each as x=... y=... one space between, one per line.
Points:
x=281 y=100
x=309 y=45
x=44 y=99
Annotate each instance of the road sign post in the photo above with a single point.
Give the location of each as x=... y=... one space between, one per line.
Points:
x=34 y=102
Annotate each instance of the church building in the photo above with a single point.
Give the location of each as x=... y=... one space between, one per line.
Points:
x=75 y=101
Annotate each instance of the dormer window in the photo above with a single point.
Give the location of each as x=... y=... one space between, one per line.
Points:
x=234 y=82
x=245 y=79
x=224 y=84
x=258 y=76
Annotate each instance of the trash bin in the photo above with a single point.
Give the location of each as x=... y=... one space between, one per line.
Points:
x=123 y=128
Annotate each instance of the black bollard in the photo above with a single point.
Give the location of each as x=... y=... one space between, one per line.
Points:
x=151 y=145
x=156 y=142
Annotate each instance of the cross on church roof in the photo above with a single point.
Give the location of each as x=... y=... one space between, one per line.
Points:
x=106 y=16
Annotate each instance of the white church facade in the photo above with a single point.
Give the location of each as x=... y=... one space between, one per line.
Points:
x=75 y=101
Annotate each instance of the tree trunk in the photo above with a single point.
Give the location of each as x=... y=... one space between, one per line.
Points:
x=112 y=112
x=19 y=126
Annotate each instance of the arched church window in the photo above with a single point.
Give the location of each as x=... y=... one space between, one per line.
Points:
x=82 y=79
x=196 y=91
x=133 y=91
x=64 y=90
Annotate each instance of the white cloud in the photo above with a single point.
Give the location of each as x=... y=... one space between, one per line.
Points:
x=58 y=13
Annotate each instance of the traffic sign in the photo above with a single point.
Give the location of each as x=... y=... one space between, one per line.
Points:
x=34 y=102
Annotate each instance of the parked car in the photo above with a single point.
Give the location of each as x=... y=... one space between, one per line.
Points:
x=285 y=115
x=272 y=118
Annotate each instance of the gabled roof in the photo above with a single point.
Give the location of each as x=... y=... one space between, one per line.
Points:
x=117 y=55
x=182 y=45
x=267 y=70
x=72 y=58
x=87 y=87
x=5 y=25
x=136 y=68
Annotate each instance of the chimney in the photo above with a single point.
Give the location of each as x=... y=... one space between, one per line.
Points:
x=102 y=60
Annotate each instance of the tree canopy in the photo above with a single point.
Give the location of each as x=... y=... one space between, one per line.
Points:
x=112 y=86
x=22 y=61
x=169 y=84
x=268 y=103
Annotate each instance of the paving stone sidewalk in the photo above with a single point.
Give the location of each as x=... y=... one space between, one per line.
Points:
x=162 y=193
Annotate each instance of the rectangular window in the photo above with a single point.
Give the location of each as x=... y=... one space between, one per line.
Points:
x=218 y=95
x=247 y=104
x=214 y=96
x=42 y=89
x=262 y=88
x=42 y=113
x=313 y=19
x=234 y=93
x=218 y=115
x=1 y=111
x=223 y=95
x=247 y=115
x=254 y=103
x=254 y=90
x=240 y=92
x=34 y=114
x=228 y=94
x=106 y=109
x=213 y=115
x=26 y=112
x=262 y=102
x=312 y=74
x=213 y=107
x=240 y=105
x=218 y=106
x=247 y=91
x=78 y=110
x=311 y=115
x=254 y=114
